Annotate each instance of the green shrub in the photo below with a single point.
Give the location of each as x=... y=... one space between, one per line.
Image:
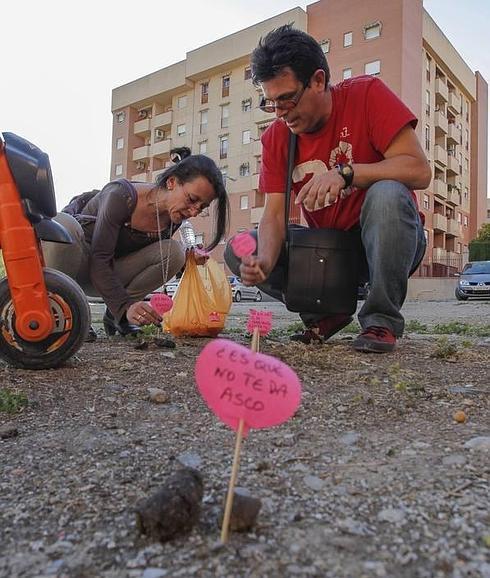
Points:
x=11 y=401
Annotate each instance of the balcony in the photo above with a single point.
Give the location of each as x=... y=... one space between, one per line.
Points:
x=452 y=165
x=140 y=177
x=440 y=156
x=439 y=223
x=256 y=215
x=161 y=149
x=440 y=122
x=453 y=228
x=441 y=90
x=454 y=103
x=439 y=255
x=453 y=196
x=142 y=127
x=259 y=116
x=155 y=174
x=257 y=148
x=141 y=153
x=163 y=119
x=439 y=188
x=453 y=134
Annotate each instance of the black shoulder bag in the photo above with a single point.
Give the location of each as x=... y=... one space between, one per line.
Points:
x=323 y=264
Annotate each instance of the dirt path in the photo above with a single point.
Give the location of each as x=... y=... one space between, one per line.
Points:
x=371 y=478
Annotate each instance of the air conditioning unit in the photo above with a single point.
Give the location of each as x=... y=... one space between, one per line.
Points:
x=159 y=134
x=140 y=165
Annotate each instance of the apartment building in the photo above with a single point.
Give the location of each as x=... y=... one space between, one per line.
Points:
x=209 y=103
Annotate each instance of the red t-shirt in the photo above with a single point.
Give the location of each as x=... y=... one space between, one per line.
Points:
x=366 y=116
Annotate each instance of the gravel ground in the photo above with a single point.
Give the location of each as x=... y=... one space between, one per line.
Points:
x=373 y=477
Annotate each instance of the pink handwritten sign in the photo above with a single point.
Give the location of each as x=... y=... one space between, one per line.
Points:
x=262 y=320
x=161 y=303
x=237 y=383
x=243 y=244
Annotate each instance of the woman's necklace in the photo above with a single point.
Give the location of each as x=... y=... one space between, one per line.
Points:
x=165 y=264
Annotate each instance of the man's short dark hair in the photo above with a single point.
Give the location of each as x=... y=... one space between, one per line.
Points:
x=288 y=47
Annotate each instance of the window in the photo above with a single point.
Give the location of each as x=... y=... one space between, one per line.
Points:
x=204 y=92
x=225 y=85
x=373 y=67
x=223 y=147
x=372 y=30
x=426 y=233
x=120 y=143
x=120 y=116
x=467 y=110
x=427 y=67
x=346 y=73
x=224 y=172
x=427 y=102
x=203 y=122
x=347 y=39
x=181 y=130
x=225 y=115
x=182 y=101
x=426 y=202
x=199 y=238
x=467 y=139
x=246 y=105
x=244 y=202
x=427 y=137
x=459 y=218
x=465 y=220
x=465 y=194
x=203 y=147
x=245 y=170
x=119 y=170
x=245 y=137
x=247 y=75
x=467 y=165
x=325 y=46
x=459 y=248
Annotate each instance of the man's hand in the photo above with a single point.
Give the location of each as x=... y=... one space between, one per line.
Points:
x=141 y=313
x=321 y=190
x=252 y=271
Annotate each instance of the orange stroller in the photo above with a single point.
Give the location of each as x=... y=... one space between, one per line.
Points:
x=44 y=315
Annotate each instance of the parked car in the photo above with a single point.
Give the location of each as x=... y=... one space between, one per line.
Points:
x=169 y=288
x=240 y=291
x=474 y=281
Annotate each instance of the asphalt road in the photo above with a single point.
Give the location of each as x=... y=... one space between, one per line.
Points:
x=427 y=312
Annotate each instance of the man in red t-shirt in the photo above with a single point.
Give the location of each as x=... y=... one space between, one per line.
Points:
x=357 y=163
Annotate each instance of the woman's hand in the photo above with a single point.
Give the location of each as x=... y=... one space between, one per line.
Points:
x=141 y=313
x=200 y=255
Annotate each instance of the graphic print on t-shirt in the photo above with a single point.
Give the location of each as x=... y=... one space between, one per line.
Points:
x=339 y=155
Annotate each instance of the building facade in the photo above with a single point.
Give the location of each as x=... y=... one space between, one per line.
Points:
x=208 y=102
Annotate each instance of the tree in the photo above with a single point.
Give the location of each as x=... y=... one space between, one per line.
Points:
x=484 y=233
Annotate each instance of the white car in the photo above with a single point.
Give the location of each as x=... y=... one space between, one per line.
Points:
x=169 y=288
x=240 y=291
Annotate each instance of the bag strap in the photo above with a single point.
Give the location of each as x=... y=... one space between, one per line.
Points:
x=289 y=182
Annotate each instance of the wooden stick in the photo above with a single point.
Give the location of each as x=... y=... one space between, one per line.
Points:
x=255 y=340
x=234 y=473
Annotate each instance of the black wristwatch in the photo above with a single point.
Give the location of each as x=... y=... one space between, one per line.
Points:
x=347 y=173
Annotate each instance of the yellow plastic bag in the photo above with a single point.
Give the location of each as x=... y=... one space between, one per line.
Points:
x=202 y=301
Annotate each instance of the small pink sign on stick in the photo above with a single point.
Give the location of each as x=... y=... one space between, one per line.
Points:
x=261 y=320
x=161 y=303
x=243 y=244
x=239 y=384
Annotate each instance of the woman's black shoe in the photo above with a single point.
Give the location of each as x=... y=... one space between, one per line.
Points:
x=123 y=327
x=91 y=336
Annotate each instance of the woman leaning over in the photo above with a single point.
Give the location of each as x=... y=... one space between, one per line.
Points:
x=123 y=246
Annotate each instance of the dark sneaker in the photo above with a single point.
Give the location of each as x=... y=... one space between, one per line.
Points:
x=375 y=340
x=323 y=330
x=91 y=336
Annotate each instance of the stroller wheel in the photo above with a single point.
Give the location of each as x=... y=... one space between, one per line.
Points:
x=71 y=314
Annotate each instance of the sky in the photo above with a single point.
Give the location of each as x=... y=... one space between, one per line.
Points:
x=61 y=60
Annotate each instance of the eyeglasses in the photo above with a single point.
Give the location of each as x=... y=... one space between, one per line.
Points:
x=269 y=105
